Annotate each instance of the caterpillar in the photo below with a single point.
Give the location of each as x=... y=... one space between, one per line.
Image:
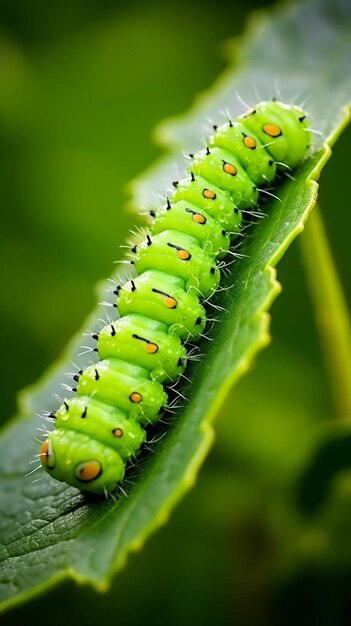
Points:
x=178 y=268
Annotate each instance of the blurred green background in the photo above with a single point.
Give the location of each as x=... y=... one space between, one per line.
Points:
x=82 y=85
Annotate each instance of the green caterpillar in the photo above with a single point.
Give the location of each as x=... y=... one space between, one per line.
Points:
x=178 y=268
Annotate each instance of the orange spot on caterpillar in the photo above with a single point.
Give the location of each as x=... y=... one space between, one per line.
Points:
x=44 y=452
x=151 y=348
x=170 y=302
x=47 y=456
x=249 y=142
x=229 y=168
x=209 y=194
x=183 y=254
x=88 y=471
x=196 y=217
x=135 y=397
x=272 y=130
x=117 y=432
x=199 y=219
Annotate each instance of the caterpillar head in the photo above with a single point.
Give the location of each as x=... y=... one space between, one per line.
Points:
x=283 y=129
x=81 y=461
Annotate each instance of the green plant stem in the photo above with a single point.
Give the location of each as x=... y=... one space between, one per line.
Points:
x=331 y=312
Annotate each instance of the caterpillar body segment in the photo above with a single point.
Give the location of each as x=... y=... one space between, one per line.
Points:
x=144 y=342
x=102 y=428
x=198 y=223
x=214 y=201
x=118 y=383
x=225 y=171
x=174 y=252
x=163 y=297
x=105 y=420
x=256 y=162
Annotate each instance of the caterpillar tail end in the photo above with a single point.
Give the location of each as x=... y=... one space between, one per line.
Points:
x=84 y=463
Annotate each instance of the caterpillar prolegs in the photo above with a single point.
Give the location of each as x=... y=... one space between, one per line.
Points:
x=178 y=268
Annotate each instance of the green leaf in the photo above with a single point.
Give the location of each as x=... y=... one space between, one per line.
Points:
x=50 y=531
